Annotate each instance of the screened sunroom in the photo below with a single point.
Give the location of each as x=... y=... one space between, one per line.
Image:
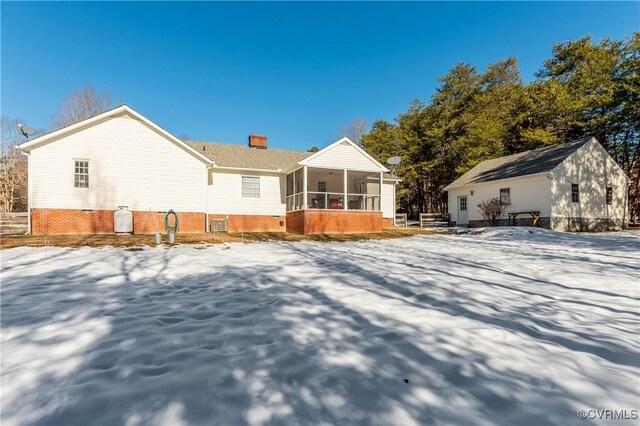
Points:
x=311 y=188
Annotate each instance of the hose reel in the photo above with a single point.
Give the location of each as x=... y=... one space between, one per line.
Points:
x=171 y=229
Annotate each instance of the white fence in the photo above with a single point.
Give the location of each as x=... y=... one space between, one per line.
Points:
x=434 y=220
x=13 y=223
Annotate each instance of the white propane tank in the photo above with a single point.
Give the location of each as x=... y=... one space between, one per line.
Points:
x=123 y=220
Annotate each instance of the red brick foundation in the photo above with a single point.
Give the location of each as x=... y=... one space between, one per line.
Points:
x=62 y=221
x=152 y=222
x=295 y=222
x=252 y=223
x=387 y=223
x=333 y=221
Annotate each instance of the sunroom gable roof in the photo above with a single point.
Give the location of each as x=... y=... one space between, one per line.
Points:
x=342 y=151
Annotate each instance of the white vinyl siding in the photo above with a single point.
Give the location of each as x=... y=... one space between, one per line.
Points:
x=525 y=193
x=593 y=170
x=344 y=156
x=224 y=196
x=130 y=165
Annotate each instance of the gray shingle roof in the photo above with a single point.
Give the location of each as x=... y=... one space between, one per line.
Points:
x=539 y=160
x=240 y=156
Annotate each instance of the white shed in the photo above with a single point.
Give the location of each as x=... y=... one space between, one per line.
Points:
x=569 y=187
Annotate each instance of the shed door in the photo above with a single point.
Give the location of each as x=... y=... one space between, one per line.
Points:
x=462 y=210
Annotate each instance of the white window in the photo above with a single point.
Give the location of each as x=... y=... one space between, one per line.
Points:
x=575 y=193
x=81 y=174
x=322 y=186
x=250 y=186
x=463 y=203
x=505 y=196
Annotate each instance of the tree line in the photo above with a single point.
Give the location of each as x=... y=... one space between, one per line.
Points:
x=585 y=88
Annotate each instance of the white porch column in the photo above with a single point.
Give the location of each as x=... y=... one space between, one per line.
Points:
x=381 y=183
x=294 y=204
x=304 y=187
x=344 y=183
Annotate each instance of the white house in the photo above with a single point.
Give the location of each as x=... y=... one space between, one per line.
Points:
x=81 y=174
x=570 y=186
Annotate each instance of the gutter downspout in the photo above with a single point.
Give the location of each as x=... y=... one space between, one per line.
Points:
x=28 y=191
x=206 y=197
x=395 y=207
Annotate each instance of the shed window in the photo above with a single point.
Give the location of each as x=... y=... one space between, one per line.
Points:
x=463 y=203
x=505 y=196
x=575 y=193
x=609 y=194
x=81 y=174
x=250 y=186
x=322 y=186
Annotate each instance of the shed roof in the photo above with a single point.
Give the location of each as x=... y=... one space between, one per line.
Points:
x=526 y=163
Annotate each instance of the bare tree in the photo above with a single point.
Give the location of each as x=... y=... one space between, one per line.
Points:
x=355 y=130
x=13 y=173
x=80 y=105
x=492 y=210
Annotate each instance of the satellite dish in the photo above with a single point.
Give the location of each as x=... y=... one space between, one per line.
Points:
x=26 y=131
x=394 y=161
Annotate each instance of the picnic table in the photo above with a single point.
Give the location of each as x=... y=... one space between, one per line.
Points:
x=535 y=215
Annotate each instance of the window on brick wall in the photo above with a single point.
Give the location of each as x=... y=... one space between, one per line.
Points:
x=250 y=186
x=609 y=196
x=575 y=193
x=81 y=174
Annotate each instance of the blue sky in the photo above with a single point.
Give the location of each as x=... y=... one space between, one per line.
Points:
x=292 y=71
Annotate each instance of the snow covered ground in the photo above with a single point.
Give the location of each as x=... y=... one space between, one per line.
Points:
x=512 y=326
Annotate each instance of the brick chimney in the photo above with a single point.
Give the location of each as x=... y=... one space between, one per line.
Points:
x=257 y=141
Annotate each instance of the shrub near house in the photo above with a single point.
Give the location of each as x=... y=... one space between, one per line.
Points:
x=492 y=210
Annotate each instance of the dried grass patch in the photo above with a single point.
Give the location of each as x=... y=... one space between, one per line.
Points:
x=135 y=242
